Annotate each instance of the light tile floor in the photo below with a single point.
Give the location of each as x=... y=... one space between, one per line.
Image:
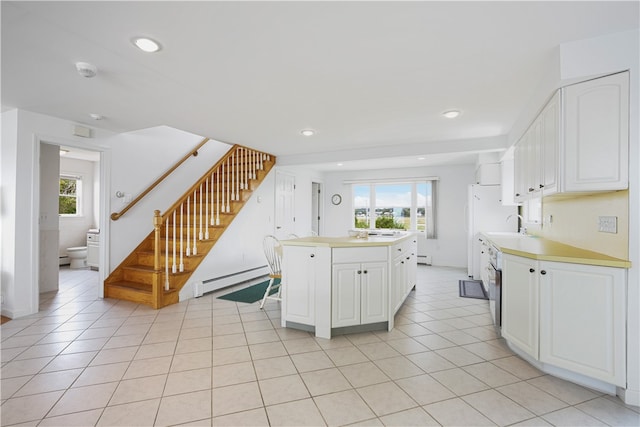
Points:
x=85 y=361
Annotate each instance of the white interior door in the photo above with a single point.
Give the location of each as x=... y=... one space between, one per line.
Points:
x=316 y=197
x=285 y=205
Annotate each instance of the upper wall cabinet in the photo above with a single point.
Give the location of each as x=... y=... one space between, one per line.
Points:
x=579 y=142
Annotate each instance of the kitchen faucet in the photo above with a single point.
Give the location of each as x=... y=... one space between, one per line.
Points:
x=523 y=230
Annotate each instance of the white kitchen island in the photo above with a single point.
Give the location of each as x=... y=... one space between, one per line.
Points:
x=337 y=285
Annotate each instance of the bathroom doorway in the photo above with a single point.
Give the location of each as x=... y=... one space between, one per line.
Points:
x=70 y=208
x=316 y=207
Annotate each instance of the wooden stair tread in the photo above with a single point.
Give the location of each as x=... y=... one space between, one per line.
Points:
x=136 y=287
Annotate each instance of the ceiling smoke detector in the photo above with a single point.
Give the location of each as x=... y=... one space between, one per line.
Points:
x=86 y=70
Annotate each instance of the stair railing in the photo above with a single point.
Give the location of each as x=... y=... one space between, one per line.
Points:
x=116 y=215
x=186 y=222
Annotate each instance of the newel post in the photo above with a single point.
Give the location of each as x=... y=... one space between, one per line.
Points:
x=157 y=223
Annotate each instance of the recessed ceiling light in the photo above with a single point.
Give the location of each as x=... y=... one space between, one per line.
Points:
x=339 y=164
x=146 y=44
x=95 y=116
x=420 y=158
x=451 y=114
x=308 y=132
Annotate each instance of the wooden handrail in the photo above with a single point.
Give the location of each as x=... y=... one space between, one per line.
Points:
x=116 y=215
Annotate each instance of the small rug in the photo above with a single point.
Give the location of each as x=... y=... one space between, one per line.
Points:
x=472 y=289
x=251 y=294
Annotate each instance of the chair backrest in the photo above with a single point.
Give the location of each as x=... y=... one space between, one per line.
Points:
x=273 y=253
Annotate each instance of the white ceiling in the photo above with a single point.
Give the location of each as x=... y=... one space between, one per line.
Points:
x=366 y=76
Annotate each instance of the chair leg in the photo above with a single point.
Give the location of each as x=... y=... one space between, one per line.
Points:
x=266 y=294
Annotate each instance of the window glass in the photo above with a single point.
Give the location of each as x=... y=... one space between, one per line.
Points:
x=393 y=206
x=68 y=198
x=361 y=205
x=403 y=206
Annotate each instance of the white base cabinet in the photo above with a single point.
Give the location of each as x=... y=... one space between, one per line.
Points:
x=520 y=303
x=359 y=294
x=346 y=285
x=582 y=320
x=569 y=316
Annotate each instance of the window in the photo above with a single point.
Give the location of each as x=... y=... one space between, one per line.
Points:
x=69 y=199
x=401 y=205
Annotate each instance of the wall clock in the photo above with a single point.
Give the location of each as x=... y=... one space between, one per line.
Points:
x=336 y=199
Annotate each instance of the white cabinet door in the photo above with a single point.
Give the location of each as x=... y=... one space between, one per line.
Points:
x=374 y=293
x=549 y=140
x=520 y=303
x=299 y=283
x=399 y=280
x=345 y=295
x=582 y=320
x=596 y=134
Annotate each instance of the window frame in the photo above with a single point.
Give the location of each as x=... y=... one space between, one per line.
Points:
x=78 y=195
x=430 y=211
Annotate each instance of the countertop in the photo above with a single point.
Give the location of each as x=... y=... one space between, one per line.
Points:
x=347 y=242
x=548 y=250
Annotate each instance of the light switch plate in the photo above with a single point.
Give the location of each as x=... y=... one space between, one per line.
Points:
x=608 y=224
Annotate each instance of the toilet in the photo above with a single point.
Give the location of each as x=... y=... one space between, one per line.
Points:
x=78 y=256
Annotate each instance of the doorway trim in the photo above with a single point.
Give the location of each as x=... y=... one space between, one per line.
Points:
x=103 y=217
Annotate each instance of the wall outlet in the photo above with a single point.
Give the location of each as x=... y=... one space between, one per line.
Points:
x=608 y=224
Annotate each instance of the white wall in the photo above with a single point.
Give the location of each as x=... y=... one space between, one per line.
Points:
x=137 y=160
x=22 y=132
x=450 y=246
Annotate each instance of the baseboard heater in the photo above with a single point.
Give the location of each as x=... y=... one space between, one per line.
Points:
x=220 y=282
x=424 y=259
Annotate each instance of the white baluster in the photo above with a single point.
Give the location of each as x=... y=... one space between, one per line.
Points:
x=206 y=209
x=238 y=180
x=228 y=192
x=195 y=224
x=233 y=187
x=222 y=189
x=200 y=234
x=181 y=238
x=166 y=254
x=173 y=244
x=188 y=251
x=254 y=164
x=213 y=210
x=245 y=179
x=218 y=196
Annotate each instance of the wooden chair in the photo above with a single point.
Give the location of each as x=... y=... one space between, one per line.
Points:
x=273 y=253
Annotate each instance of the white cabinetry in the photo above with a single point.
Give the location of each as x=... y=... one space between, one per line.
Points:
x=359 y=294
x=568 y=316
x=582 y=320
x=300 y=284
x=596 y=134
x=578 y=143
x=404 y=271
x=520 y=303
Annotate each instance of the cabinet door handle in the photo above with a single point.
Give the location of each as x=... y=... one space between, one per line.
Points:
x=541 y=186
x=531 y=270
x=312 y=255
x=365 y=272
x=359 y=271
x=401 y=262
x=408 y=258
x=517 y=194
x=543 y=272
x=530 y=189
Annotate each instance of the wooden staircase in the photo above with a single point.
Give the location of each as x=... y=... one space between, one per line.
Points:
x=161 y=265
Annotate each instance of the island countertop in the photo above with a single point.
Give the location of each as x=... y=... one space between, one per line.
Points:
x=347 y=242
x=543 y=249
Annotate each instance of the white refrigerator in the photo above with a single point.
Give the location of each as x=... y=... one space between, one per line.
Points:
x=485 y=212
